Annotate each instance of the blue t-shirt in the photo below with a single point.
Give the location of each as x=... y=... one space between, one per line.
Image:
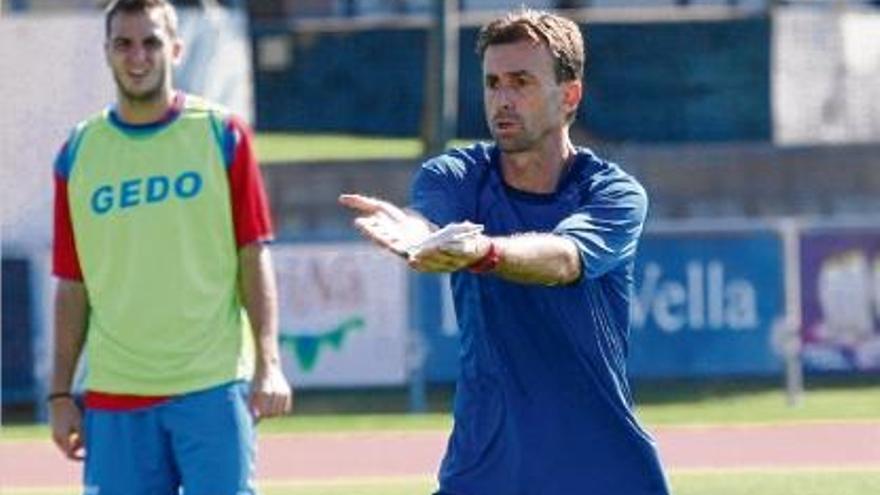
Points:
x=542 y=402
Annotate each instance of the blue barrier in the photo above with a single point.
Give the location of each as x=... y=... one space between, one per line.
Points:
x=436 y=319
x=706 y=304
x=19 y=330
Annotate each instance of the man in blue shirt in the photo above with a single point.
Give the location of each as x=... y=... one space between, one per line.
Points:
x=539 y=237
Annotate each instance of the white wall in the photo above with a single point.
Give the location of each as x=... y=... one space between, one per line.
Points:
x=826 y=75
x=53 y=75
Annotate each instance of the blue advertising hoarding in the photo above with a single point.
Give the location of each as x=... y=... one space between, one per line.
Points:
x=704 y=304
x=18 y=333
x=435 y=317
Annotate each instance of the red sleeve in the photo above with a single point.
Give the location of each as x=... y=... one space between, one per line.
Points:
x=250 y=206
x=65 y=261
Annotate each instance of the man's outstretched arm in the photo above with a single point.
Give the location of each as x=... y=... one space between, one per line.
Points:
x=530 y=258
x=391 y=227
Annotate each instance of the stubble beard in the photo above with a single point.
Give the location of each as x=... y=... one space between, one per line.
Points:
x=513 y=145
x=148 y=95
x=520 y=142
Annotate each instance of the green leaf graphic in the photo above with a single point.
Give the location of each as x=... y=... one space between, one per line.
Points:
x=307 y=347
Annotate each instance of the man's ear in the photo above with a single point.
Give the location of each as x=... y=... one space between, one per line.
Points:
x=572 y=92
x=177 y=51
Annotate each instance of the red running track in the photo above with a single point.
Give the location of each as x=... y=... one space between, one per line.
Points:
x=388 y=454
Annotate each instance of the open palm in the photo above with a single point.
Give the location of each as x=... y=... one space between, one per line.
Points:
x=387 y=224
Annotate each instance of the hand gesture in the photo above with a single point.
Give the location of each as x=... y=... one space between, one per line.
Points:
x=455 y=246
x=386 y=224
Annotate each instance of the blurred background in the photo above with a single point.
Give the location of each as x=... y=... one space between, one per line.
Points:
x=754 y=125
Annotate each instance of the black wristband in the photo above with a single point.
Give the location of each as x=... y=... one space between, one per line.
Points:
x=58 y=395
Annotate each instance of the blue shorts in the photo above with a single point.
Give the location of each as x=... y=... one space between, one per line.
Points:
x=201 y=443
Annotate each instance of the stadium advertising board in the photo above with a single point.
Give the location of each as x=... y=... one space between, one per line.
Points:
x=343 y=315
x=705 y=304
x=436 y=319
x=840 y=286
x=18 y=333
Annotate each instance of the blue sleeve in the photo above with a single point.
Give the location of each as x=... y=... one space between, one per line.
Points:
x=63 y=161
x=65 y=157
x=227 y=133
x=436 y=190
x=606 y=228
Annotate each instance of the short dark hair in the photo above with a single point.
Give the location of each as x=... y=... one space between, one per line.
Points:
x=560 y=35
x=138 y=6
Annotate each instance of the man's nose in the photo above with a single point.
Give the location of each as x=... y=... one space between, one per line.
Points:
x=504 y=98
x=137 y=54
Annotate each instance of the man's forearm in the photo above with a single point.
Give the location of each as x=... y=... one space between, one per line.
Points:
x=545 y=259
x=71 y=318
x=260 y=298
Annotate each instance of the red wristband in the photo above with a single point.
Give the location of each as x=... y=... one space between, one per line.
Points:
x=488 y=262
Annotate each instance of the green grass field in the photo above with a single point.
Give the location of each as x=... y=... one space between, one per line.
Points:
x=667 y=404
x=688 y=483
x=277 y=147
x=728 y=402
x=830 y=482
x=658 y=404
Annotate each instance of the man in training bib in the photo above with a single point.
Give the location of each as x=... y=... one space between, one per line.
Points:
x=164 y=281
